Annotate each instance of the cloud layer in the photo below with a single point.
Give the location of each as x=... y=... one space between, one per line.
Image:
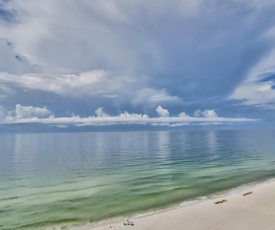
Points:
x=138 y=55
x=35 y=115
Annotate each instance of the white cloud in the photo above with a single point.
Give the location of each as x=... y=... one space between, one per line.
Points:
x=22 y=113
x=205 y=113
x=255 y=93
x=265 y=87
x=162 y=112
x=179 y=124
x=254 y=90
x=30 y=115
x=153 y=97
x=127 y=120
x=28 y=112
x=209 y=113
x=95 y=82
x=182 y=114
x=133 y=115
x=100 y=113
x=197 y=113
x=91 y=84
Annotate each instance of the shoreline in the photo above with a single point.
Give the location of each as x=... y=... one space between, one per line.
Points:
x=203 y=213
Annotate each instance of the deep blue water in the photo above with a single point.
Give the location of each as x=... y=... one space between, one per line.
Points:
x=65 y=179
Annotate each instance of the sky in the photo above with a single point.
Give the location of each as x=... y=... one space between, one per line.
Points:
x=85 y=64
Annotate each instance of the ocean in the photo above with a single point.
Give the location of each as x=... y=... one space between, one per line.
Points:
x=51 y=180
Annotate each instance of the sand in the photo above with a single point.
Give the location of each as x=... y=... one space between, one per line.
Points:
x=254 y=211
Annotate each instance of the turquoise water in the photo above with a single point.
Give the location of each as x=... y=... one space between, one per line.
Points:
x=63 y=179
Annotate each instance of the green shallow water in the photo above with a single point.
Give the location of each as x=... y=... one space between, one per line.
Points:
x=65 y=179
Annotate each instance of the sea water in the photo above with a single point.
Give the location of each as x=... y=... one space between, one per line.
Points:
x=67 y=179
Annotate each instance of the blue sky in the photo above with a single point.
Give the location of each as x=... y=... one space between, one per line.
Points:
x=155 y=63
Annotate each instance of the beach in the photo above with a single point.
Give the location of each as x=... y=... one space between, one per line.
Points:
x=252 y=208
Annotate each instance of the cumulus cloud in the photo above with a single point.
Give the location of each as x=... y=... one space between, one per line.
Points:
x=183 y=115
x=27 y=112
x=205 y=113
x=22 y=113
x=100 y=113
x=30 y=114
x=162 y=112
x=132 y=115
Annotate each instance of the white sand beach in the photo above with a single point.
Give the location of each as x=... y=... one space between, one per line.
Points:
x=256 y=210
